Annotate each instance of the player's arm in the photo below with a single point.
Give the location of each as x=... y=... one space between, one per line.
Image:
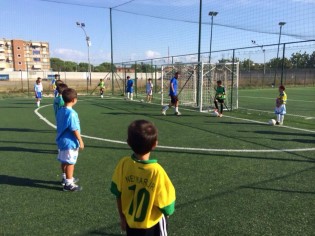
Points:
x=172 y=86
x=79 y=138
x=121 y=215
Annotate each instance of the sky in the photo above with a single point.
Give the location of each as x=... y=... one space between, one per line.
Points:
x=146 y=29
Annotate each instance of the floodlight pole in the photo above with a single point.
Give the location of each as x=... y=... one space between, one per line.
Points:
x=88 y=43
x=280 y=24
x=212 y=14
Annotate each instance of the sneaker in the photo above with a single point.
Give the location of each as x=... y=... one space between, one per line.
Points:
x=72 y=188
x=63 y=181
x=220 y=115
x=163 y=113
x=178 y=113
x=277 y=123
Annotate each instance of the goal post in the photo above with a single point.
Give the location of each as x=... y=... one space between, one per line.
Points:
x=197 y=83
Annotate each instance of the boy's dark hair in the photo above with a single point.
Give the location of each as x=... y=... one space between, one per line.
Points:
x=282 y=87
x=61 y=87
x=219 y=82
x=69 y=94
x=142 y=136
x=57 y=82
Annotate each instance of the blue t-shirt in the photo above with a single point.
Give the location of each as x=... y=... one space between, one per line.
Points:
x=174 y=82
x=129 y=88
x=67 y=122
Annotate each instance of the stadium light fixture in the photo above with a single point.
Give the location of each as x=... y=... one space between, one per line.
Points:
x=212 y=14
x=281 y=24
x=88 y=43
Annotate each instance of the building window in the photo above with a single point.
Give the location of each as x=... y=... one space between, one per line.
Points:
x=36 y=59
x=19 y=48
x=36 y=52
x=20 y=63
x=19 y=55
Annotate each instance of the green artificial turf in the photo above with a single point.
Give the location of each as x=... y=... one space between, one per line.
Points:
x=233 y=175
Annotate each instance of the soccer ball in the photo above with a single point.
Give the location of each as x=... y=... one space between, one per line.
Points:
x=272 y=122
x=215 y=113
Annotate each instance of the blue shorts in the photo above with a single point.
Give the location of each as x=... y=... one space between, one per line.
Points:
x=129 y=90
x=38 y=94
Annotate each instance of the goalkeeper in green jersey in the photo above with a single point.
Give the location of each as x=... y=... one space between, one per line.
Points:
x=219 y=97
x=102 y=87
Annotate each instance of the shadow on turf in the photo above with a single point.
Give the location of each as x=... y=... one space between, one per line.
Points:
x=27 y=130
x=251 y=186
x=26 y=182
x=20 y=149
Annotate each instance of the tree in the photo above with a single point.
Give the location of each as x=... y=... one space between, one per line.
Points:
x=56 y=64
x=300 y=60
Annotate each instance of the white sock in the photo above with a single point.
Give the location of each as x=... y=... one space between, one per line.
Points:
x=128 y=95
x=64 y=175
x=278 y=117
x=69 y=181
x=131 y=96
x=176 y=109
x=281 y=119
x=38 y=103
x=165 y=108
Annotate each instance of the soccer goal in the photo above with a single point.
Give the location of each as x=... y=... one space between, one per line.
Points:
x=197 y=83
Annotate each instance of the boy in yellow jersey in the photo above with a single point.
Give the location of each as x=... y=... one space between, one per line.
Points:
x=280 y=109
x=145 y=194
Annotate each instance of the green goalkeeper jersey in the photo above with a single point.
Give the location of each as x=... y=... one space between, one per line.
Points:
x=220 y=92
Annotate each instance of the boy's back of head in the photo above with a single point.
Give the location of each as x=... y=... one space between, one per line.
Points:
x=61 y=88
x=69 y=94
x=142 y=136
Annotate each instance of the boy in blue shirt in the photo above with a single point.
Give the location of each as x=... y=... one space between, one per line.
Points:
x=68 y=139
x=173 y=94
x=129 y=88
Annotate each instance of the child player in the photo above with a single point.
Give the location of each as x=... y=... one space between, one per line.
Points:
x=219 y=97
x=68 y=139
x=102 y=87
x=145 y=194
x=129 y=88
x=173 y=95
x=149 y=90
x=280 y=109
x=58 y=101
x=38 y=88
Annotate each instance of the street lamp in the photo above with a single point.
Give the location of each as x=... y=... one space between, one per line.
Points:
x=280 y=24
x=88 y=43
x=212 y=14
x=264 y=51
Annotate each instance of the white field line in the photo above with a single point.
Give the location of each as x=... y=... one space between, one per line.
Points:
x=194 y=149
x=270 y=112
x=275 y=99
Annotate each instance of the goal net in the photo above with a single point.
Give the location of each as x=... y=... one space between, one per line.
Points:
x=197 y=83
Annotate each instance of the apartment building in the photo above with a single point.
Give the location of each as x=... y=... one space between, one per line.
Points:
x=19 y=55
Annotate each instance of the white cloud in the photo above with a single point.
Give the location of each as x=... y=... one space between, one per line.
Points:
x=152 y=54
x=69 y=55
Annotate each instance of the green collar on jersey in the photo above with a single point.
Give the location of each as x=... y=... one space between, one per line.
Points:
x=150 y=161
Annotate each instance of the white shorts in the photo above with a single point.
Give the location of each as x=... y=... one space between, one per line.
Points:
x=68 y=156
x=281 y=110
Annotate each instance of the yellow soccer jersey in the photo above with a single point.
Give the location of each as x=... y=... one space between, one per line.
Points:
x=283 y=97
x=145 y=190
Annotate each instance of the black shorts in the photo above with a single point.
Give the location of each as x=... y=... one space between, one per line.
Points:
x=157 y=230
x=220 y=100
x=174 y=99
